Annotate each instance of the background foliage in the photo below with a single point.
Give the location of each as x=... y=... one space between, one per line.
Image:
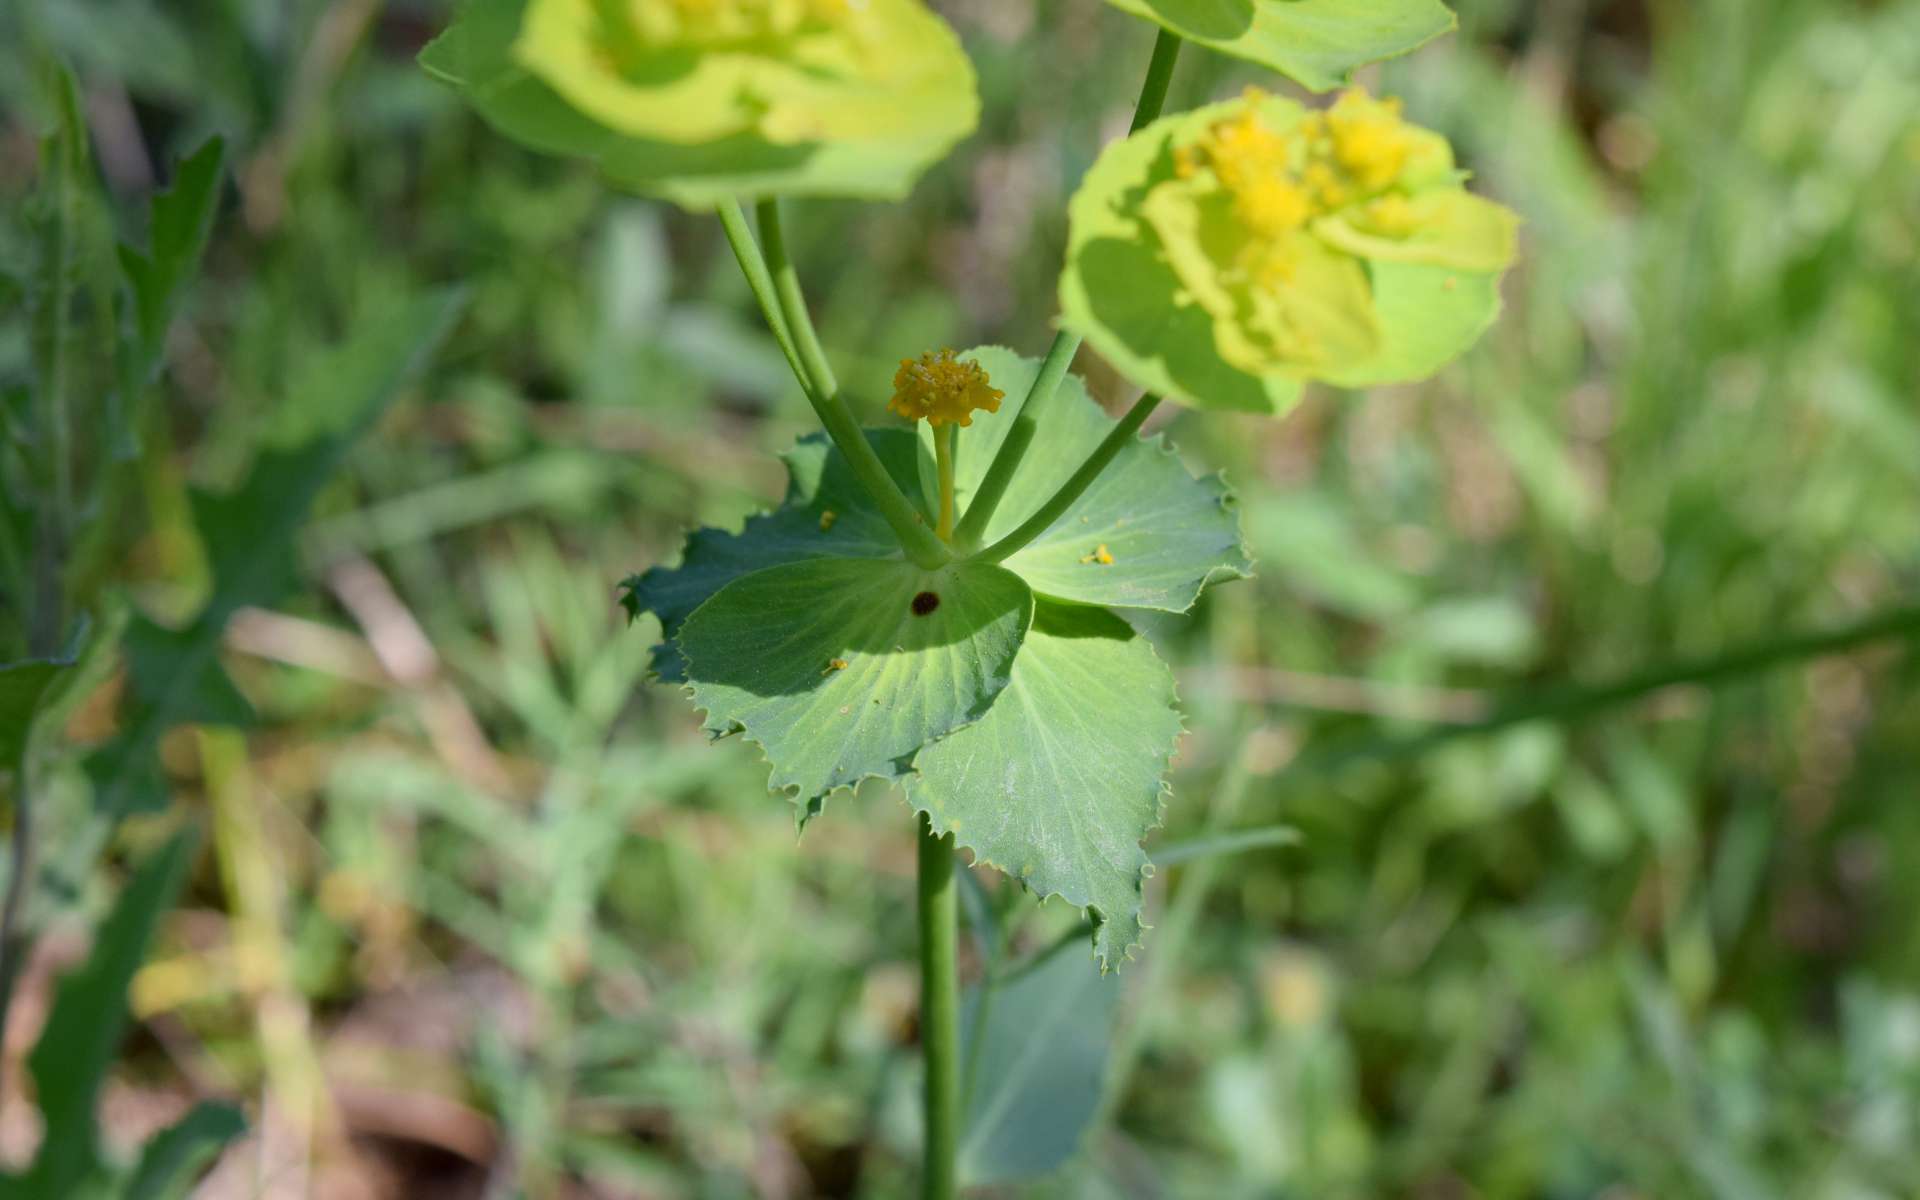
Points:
x=534 y=933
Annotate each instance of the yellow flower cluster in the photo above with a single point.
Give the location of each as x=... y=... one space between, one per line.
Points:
x=1352 y=154
x=663 y=22
x=943 y=389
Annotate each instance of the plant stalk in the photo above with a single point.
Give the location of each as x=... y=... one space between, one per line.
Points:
x=943 y=460
x=916 y=539
x=1153 y=89
x=1062 y=499
x=20 y=870
x=1013 y=449
x=1000 y=473
x=939 y=1010
x=793 y=302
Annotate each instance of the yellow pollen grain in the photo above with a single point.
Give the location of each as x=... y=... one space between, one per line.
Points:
x=1100 y=555
x=835 y=664
x=827 y=518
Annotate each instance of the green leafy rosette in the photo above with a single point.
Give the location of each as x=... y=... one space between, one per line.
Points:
x=1016 y=707
x=702 y=100
x=1226 y=256
x=1315 y=43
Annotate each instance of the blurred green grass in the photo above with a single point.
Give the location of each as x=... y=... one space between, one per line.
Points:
x=547 y=939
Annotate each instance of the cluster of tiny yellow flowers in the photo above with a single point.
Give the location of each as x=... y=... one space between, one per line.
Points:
x=661 y=21
x=943 y=389
x=1280 y=180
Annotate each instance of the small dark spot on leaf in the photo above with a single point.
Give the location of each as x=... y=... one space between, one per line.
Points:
x=925 y=603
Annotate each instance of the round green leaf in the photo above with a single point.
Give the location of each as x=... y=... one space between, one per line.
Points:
x=1316 y=43
x=1064 y=776
x=1165 y=532
x=867 y=130
x=842 y=668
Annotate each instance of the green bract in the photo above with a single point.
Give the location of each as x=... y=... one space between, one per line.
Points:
x=1225 y=256
x=1166 y=532
x=1031 y=724
x=702 y=100
x=1060 y=780
x=1316 y=43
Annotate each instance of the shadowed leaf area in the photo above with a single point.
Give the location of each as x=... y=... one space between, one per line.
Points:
x=839 y=670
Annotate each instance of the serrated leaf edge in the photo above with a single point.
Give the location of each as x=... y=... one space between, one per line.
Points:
x=1110 y=957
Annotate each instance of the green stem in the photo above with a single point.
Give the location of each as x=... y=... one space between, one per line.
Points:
x=1058 y=503
x=54 y=434
x=760 y=281
x=919 y=542
x=1153 y=90
x=939 y=1010
x=13 y=938
x=793 y=302
x=943 y=461
x=993 y=486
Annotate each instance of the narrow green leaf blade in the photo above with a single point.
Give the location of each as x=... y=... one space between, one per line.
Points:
x=249 y=535
x=173 y=1156
x=842 y=668
x=1064 y=776
x=1316 y=43
x=1039 y=1067
x=179 y=221
x=23 y=686
x=1226 y=843
x=88 y=1018
x=1166 y=533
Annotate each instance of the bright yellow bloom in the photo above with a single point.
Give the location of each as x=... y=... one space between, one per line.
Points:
x=666 y=22
x=1281 y=179
x=846 y=77
x=1337 y=244
x=1271 y=211
x=943 y=389
x=1370 y=140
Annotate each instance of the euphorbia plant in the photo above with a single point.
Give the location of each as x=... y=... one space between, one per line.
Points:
x=940 y=603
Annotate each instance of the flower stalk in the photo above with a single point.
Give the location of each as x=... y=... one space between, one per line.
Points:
x=916 y=539
x=1076 y=484
x=1000 y=473
x=939 y=913
x=943 y=459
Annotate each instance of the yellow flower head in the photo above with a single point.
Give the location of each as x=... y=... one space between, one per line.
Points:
x=1281 y=179
x=943 y=389
x=741 y=77
x=1272 y=211
x=1270 y=225
x=1369 y=139
x=665 y=22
